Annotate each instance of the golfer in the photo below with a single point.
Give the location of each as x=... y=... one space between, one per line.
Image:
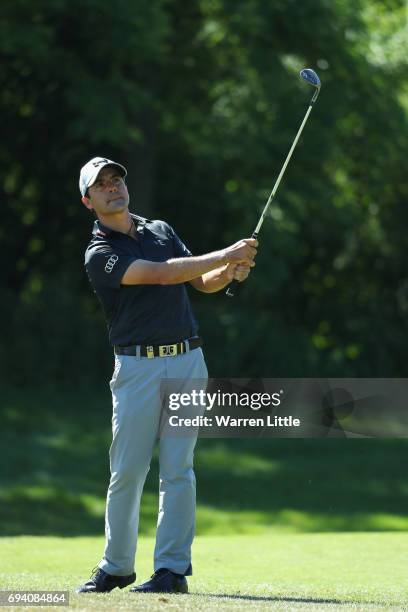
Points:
x=138 y=269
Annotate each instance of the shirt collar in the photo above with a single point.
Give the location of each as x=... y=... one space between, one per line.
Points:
x=101 y=230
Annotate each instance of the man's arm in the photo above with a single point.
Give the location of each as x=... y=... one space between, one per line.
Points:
x=184 y=269
x=217 y=279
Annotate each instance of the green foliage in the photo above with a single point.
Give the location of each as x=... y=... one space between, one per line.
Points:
x=201 y=101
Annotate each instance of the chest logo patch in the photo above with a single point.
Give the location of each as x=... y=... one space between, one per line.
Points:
x=110 y=263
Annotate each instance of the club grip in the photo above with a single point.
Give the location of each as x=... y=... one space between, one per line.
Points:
x=231 y=288
x=234 y=284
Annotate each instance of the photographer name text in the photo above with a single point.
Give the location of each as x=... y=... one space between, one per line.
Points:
x=228 y=421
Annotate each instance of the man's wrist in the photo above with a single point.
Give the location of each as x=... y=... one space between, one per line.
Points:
x=224 y=257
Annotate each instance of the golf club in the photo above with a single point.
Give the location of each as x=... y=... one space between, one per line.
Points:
x=311 y=77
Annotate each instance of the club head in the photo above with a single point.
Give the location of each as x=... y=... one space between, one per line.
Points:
x=310 y=76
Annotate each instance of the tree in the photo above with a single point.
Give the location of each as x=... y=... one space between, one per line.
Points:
x=201 y=102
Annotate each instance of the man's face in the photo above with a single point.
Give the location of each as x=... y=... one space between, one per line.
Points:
x=109 y=194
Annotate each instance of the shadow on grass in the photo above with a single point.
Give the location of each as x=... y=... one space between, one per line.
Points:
x=56 y=471
x=305 y=600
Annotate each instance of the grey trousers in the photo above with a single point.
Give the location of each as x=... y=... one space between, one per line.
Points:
x=137 y=392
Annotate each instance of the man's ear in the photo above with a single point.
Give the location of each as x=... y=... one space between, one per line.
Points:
x=87 y=202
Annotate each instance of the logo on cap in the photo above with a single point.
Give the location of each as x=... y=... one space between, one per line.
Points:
x=101 y=161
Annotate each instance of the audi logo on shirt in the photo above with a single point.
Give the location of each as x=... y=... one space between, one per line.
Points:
x=110 y=263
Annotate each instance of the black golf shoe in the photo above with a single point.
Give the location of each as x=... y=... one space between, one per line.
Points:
x=101 y=582
x=163 y=581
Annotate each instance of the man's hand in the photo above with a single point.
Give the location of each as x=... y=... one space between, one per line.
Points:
x=242 y=252
x=241 y=272
x=237 y=272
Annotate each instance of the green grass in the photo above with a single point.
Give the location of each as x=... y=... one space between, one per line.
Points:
x=347 y=571
x=56 y=449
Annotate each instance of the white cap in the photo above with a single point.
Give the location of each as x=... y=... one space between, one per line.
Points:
x=90 y=171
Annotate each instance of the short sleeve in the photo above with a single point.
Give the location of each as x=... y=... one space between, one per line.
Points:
x=106 y=268
x=180 y=248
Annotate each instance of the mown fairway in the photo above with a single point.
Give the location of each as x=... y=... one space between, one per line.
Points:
x=357 y=571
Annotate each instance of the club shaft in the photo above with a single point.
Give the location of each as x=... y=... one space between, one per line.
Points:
x=282 y=172
x=233 y=285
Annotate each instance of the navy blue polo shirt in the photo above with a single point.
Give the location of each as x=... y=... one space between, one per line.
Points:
x=139 y=314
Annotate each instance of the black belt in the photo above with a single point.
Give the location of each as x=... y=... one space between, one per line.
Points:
x=164 y=350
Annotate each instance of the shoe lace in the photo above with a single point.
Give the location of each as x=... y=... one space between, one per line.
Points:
x=164 y=572
x=95 y=571
x=160 y=572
